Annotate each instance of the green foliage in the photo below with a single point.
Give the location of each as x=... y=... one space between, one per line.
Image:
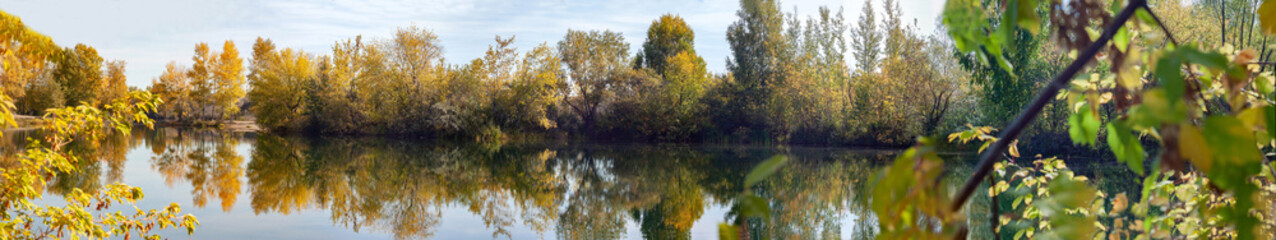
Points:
x=42 y=93
x=1125 y=145
x=866 y=40
x=595 y=62
x=908 y=201
x=968 y=24
x=1211 y=117
x=1007 y=62
x=1083 y=125
x=673 y=110
x=757 y=44
x=1050 y=201
x=668 y=36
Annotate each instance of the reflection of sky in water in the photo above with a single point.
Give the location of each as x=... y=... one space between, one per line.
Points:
x=456 y=220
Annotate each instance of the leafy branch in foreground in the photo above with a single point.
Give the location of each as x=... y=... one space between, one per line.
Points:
x=1209 y=122
x=748 y=205
x=24 y=176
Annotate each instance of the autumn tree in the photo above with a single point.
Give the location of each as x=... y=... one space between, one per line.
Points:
x=809 y=105
x=28 y=72
x=923 y=92
x=42 y=92
x=26 y=54
x=404 y=96
x=595 y=61
x=473 y=89
x=173 y=86
x=217 y=81
x=116 y=84
x=332 y=101
x=674 y=110
x=228 y=78
x=536 y=91
x=201 y=80
x=29 y=173
x=667 y=36
x=80 y=74
x=278 y=79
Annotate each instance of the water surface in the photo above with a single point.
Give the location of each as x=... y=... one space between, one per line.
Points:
x=249 y=186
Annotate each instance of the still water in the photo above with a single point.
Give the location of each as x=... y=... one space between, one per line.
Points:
x=249 y=186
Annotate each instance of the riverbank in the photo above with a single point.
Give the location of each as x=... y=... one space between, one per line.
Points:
x=26 y=122
x=231 y=125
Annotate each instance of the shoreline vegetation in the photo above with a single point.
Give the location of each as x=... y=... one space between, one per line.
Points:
x=1196 y=121
x=788 y=81
x=25 y=122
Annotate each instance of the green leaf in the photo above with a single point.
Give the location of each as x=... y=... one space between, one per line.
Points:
x=1232 y=140
x=1236 y=154
x=1167 y=70
x=1027 y=14
x=1270 y=112
x=1149 y=183
x=764 y=170
x=1264 y=83
x=1083 y=126
x=1006 y=30
x=727 y=232
x=1212 y=60
x=1143 y=15
x=754 y=206
x=1156 y=109
x=1125 y=145
x=1122 y=39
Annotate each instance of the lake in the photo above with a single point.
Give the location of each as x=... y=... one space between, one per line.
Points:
x=250 y=186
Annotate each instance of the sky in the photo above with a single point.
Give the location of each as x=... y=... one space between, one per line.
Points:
x=147 y=34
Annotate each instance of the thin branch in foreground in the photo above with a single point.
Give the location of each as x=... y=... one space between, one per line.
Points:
x=1157 y=18
x=1034 y=109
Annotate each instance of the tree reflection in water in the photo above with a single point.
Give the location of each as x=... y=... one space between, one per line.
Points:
x=204 y=158
x=402 y=187
x=581 y=192
x=107 y=154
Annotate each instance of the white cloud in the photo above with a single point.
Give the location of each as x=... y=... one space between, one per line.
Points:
x=150 y=33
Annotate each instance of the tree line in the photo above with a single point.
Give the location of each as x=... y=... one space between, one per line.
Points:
x=788 y=81
x=40 y=75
